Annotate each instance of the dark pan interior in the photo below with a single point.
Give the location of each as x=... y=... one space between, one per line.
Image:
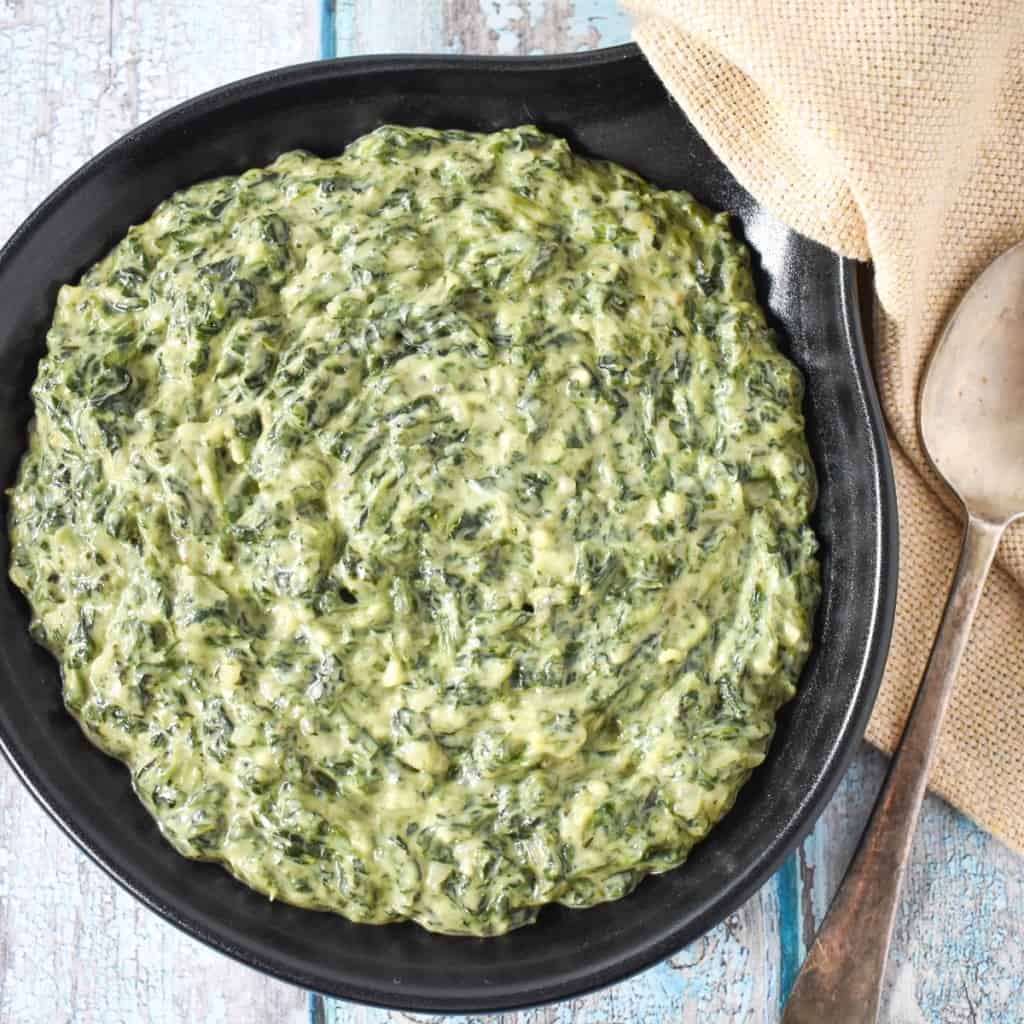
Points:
x=607 y=104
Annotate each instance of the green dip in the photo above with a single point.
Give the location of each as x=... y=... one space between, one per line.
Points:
x=426 y=527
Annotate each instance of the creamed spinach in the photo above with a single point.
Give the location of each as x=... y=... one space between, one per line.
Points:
x=425 y=527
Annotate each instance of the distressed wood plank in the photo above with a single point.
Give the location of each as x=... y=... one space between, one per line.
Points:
x=476 y=26
x=73 y=946
x=550 y=26
x=73 y=77
x=958 y=950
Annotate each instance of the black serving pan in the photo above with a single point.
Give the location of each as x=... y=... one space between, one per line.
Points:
x=608 y=104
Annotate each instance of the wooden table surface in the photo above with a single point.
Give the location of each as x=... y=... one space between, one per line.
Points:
x=73 y=946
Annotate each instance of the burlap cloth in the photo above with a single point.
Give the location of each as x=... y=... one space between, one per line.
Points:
x=890 y=130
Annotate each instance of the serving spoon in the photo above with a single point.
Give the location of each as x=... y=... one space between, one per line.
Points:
x=972 y=427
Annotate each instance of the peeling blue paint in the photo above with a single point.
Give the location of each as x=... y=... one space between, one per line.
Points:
x=316 y=1007
x=329 y=27
x=599 y=23
x=787 y=883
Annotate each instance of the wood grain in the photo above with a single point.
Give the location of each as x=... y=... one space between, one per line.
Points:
x=74 y=76
x=476 y=26
x=958 y=950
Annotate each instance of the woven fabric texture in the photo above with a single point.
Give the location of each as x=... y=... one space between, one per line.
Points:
x=895 y=133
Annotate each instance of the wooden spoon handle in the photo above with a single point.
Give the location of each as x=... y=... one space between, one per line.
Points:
x=841 y=979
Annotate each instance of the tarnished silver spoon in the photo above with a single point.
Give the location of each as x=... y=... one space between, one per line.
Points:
x=972 y=426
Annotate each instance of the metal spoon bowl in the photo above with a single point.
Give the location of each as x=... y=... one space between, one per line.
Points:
x=972 y=427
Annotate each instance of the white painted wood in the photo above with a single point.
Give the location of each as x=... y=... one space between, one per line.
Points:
x=74 y=76
x=75 y=947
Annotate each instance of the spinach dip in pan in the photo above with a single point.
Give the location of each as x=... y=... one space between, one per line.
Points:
x=426 y=528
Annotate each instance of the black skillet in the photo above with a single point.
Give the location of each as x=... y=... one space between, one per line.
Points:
x=608 y=104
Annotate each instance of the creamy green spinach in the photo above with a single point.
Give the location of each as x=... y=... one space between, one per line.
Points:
x=426 y=527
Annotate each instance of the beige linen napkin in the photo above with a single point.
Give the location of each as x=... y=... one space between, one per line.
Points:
x=890 y=131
